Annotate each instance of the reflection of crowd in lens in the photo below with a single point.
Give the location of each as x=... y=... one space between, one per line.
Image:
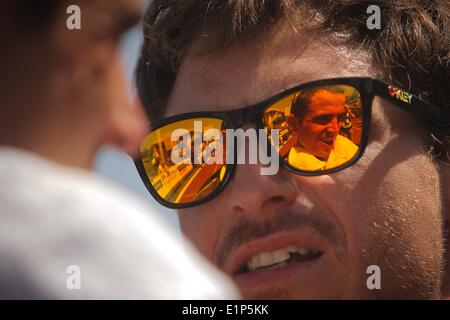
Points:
x=346 y=125
x=158 y=162
x=275 y=119
x=322 y=121
x=169 y=177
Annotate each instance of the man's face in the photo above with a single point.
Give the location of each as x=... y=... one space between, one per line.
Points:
x=317 y=129
x=324 y=231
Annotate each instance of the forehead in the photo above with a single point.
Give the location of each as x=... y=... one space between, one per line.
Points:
x=325 y=101
x=253 y=71
x=325 y=109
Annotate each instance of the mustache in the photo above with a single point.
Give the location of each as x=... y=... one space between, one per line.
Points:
x=245 y=231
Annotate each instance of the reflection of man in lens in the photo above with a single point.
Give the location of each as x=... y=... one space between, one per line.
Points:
x=316 y=121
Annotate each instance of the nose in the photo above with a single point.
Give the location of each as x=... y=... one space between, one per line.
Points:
x=333 y=126
x=257 y=195
x=128 y=127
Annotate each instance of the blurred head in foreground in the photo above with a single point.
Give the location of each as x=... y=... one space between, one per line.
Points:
x=63 y=91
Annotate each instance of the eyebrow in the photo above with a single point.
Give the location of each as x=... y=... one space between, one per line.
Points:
x=325 y=115
x=328 y=114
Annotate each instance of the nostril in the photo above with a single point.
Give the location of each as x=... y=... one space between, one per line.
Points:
x=275 y=200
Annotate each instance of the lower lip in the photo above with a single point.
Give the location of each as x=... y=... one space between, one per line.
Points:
x=276 y=275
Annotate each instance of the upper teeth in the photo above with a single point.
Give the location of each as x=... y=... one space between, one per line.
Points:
x=270 y=258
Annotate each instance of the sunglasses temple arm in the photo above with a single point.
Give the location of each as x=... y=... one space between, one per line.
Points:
x=412 y=104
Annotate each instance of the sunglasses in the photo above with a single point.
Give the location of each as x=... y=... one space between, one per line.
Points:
x=323 y=127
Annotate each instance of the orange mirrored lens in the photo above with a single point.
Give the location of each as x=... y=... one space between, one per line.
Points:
x=319 y=128
x=181 y=159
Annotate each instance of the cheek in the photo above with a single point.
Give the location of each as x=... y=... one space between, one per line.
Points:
x=393 y=219
x=201 y=227
x=406 y=225
x=408 y=197
x=110 y=87
x=316 y=129
x=116 y=86
x=311 y=130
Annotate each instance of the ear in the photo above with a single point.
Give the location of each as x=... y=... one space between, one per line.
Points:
x=445 y=181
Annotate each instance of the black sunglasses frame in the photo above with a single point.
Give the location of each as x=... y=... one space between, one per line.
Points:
x=368 y=88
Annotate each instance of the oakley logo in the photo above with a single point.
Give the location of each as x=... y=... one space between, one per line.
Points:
x=207 y=147
x=400 y=94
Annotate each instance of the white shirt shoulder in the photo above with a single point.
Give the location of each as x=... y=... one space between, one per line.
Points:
x=69 y=234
